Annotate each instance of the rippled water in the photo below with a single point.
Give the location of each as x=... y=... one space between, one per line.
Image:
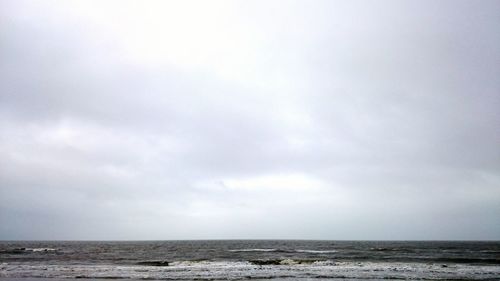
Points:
x=234 y=260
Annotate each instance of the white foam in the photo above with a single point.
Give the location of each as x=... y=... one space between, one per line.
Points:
x=289 y=262
x=253 y=250
x=325 y=262
x=40 y=249
x=231 y=270
x=317 y=251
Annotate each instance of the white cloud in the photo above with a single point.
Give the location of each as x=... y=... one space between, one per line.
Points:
x=227 y=119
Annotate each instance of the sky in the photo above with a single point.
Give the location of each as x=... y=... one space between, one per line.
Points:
x=160 y=120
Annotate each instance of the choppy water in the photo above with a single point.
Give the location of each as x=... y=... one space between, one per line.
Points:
x=256 y=259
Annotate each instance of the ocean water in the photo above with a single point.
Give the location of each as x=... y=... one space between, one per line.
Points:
x=251 y=259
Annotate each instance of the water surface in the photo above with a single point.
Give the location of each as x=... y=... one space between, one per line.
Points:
x=252 y=259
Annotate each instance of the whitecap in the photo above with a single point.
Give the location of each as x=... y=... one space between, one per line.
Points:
x=253 y=250
x=40 y=249
x=316 y=251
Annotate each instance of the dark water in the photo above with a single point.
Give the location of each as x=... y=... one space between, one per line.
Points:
x=234 y=260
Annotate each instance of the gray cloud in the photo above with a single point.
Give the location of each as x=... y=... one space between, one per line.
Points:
x=330 y=120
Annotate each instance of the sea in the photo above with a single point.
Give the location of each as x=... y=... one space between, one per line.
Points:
x=250 y=260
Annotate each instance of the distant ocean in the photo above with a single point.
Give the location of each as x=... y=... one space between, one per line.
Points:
x=252 y=259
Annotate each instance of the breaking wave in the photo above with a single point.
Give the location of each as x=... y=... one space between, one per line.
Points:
x=28 y=250
x=258 y=269
x=254 y=250
x=286 y=251
x=316 y=251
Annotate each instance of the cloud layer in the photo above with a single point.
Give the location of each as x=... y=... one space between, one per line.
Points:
x=224 y=119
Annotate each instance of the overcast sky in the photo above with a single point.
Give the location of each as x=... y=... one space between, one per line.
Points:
x=249 y=119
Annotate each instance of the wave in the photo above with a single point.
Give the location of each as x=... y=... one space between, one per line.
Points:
x=253 y=250
x=490 y=251
x=28 y=250
x=40 y=249
x=154 y=263
x=278 y=269
x=285 y=251
x=382 y=249
x=316 y=251
x=291 y=262
x=398 y=249
x=467 y=260
x=232 y=263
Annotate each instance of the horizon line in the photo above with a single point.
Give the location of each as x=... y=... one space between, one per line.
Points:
x=249 y=239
